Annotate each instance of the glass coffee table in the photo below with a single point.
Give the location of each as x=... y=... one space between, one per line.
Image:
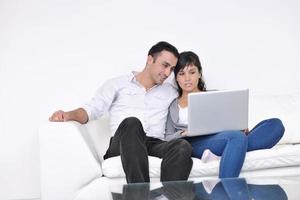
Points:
x=280 y=188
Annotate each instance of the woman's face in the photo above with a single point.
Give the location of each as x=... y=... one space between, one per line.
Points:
x=188 y=79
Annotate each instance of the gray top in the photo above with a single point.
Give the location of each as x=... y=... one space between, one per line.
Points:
x=173 y=127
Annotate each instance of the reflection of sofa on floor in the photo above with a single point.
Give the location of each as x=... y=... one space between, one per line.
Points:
x=71 y=153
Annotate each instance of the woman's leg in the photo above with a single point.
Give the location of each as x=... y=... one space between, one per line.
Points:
x=231 y=145
x=265 y=134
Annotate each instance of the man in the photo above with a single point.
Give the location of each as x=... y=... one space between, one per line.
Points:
x=138 y=106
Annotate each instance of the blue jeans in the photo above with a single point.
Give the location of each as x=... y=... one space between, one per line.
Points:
x=233 y=145
x=265 y=134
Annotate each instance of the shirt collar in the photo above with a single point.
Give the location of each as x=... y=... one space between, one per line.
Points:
x=132 y=78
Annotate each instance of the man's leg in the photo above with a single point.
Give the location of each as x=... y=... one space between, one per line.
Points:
x=176 y=154
x=129 y=142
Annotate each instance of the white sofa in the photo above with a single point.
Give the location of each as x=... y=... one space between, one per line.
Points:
x=71 y=154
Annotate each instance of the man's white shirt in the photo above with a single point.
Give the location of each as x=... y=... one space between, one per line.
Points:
x=124 y=97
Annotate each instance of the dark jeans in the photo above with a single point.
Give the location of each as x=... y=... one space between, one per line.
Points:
x=132 y=144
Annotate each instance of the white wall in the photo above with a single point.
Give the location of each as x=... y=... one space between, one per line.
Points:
x=54 y=54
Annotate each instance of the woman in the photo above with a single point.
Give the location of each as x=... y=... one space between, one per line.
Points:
x=230 y=145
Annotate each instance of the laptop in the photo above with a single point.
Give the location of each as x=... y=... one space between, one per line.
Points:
x=214 y=111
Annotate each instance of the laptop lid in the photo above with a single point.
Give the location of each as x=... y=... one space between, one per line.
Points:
x=214 y=111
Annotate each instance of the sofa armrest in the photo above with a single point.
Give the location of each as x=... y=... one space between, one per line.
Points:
x=67 y=163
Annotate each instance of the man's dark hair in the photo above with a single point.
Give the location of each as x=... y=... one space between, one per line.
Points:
x=163 y=46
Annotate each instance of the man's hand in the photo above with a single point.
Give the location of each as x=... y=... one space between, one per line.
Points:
x=59 y=116
x=78 y=115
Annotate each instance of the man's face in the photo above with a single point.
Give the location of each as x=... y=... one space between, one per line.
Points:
x=161 y=66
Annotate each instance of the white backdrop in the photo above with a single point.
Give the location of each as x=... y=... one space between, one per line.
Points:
x=54 y=55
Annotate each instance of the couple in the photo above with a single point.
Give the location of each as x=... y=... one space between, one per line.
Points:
x=139 y=103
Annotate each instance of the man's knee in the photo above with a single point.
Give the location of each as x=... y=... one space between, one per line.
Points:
x=181 y=146
x=131 y=126
x=131 y=121
x=131 y=131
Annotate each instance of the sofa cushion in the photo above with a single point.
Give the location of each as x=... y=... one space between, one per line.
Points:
x=113 y=167
x=98 y=136
x=278 y=157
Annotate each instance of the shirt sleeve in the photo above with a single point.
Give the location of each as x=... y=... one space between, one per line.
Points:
x=101 y=101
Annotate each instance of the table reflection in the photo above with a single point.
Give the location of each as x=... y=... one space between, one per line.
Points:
x=229 y=188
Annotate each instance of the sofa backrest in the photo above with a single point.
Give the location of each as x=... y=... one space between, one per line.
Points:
x=98 y=136
x=285 y=107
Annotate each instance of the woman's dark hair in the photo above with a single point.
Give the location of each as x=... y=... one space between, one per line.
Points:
x=161 y=46
x=188 y=58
